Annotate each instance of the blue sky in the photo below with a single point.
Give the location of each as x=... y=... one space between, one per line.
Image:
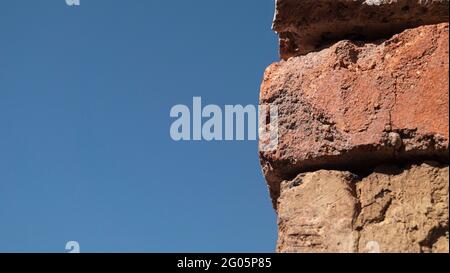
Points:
x=85 y=149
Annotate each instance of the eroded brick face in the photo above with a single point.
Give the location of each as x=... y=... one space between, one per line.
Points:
x=308 y=25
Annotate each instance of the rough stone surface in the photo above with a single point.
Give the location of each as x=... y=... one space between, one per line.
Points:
x=308 y=25
x=316 y=213
x=394 y=209
x=354 y=105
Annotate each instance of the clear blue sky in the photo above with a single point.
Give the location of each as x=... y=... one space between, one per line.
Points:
x=85 y=149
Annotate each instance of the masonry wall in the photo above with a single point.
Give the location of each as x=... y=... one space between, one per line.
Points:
x=362 y=157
